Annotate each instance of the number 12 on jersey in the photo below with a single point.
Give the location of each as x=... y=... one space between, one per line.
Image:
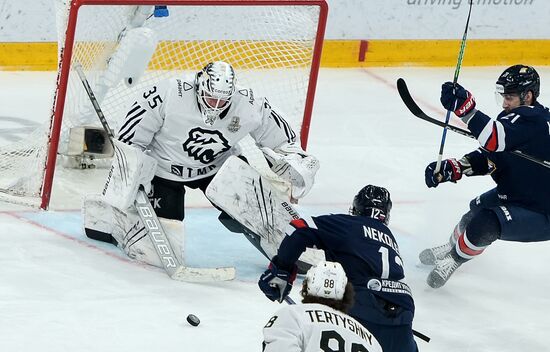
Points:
x=385 y=257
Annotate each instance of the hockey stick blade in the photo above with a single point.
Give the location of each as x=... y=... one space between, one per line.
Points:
x=417 y=111
x=188 y=274
x=166 y=254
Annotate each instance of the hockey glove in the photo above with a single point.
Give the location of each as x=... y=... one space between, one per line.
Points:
x=276 y=283
x=451 y=170
x=457 y=99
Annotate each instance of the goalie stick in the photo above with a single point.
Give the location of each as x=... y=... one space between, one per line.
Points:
x=417 y=111
x=420 y=335
x=174 y=269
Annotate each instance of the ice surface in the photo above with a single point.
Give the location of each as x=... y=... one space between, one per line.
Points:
x=60 y=291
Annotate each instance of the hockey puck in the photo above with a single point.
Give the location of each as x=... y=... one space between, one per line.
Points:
x=193 y=320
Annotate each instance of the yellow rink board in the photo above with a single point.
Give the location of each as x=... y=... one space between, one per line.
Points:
x=42 y=56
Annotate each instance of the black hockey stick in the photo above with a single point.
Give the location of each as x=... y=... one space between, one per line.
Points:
x=415 y=333
x=156 y=233
x=417 y=111
x=413 y=107
x=455 y=79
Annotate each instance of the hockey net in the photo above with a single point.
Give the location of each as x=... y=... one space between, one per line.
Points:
x=274 y=47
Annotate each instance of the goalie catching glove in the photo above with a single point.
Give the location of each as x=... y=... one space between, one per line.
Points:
x=292 y=164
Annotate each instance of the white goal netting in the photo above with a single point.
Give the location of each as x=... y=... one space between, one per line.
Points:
x=272 y=48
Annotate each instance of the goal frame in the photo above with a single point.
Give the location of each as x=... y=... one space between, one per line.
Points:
x=67 y=50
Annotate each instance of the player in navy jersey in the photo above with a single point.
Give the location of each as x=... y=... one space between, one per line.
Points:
x=369 y=254
x=518 y=209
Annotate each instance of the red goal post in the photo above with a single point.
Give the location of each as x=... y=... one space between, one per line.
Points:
x=275 y=47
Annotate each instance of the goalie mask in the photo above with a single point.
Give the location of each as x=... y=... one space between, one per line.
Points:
x=372 y=201
x=326 y=280
x=214 y=86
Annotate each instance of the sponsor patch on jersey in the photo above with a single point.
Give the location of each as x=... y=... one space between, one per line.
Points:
x=388 y=286
x=176 y=170
x=180 y=87
x=251 y=98
x=374 y=285
x=183 y=86
x=248 y=93
x=234 y=125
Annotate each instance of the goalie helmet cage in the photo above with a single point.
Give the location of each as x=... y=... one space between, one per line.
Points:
x=274 y=45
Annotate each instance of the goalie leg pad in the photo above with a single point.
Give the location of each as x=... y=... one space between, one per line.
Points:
x=135 y=242
x=98 y=219
x=125 y=229
x=246 y=196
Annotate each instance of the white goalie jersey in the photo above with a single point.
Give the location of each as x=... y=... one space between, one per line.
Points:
x=316 y=327
x=165 y=120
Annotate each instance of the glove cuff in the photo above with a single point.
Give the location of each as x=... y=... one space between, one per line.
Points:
x=456 y=167
x=276 y=266
x=466 y=118
x=465 y=166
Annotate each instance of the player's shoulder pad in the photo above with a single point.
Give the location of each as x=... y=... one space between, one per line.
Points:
x=245 y=98
x=531 y=112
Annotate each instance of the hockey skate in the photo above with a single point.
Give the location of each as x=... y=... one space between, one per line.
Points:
x=430 y=256
x=443 y=270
